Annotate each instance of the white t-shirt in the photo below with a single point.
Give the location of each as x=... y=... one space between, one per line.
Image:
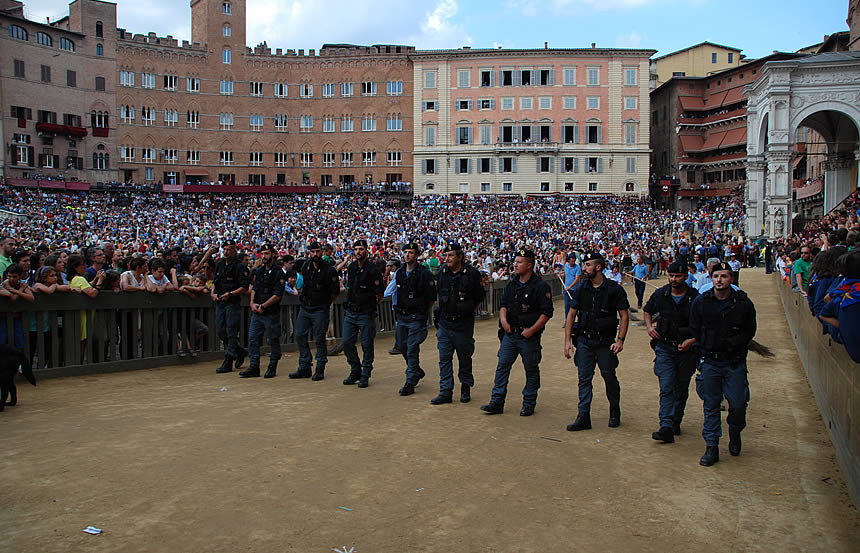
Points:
x=164 y=280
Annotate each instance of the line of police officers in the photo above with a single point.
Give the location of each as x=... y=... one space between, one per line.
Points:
x=690 y=333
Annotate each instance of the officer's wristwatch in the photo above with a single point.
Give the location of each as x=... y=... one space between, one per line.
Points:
x=621 y=338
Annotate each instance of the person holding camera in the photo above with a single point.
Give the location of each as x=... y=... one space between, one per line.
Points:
x=667 y=319
x=597 y=306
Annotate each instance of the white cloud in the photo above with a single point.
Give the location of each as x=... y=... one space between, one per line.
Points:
x=439 y=30
x=632 y=40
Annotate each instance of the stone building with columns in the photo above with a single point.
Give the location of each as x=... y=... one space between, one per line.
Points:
x=819 y=92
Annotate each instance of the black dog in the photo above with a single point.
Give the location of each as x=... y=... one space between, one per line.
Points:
x=10 y=360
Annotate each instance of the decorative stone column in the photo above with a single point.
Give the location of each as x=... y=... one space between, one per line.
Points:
x=755 y=194
x=839 y=178
x=779 y=191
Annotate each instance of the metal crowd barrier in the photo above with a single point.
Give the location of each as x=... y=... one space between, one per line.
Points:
x=68 y=334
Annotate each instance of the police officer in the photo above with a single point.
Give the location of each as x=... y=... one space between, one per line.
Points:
x=667 y=319
x=723 y=322
x=525 y=309
x=231 y=281
x=364 y=290
x=321 y=287
x=598 y=304
x=269 y=281
x=416 y=293
x=460 y=295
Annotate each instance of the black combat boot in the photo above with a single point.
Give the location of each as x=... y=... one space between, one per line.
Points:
x=351 y=379
x=319 y=374
x=665 y=435
x=441 y=399
x=226 y=365
x=250 y=372
x=711 y=456
x=527 y=411
x=734 y=442
x=407 y=389
x=300 y=373
x=271 y=371
x=240 y=358
x=582 y=422
x=364 y=382
x=465 y=393
x=614 y=417
x=493 y=408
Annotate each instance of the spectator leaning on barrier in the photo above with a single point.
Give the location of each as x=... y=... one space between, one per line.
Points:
x=801 y=268
x=842 y=312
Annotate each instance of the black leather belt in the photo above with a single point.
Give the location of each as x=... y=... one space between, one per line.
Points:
x=721 y=356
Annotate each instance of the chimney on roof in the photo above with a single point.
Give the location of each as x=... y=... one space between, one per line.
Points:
x=546 y=45
x=594 y=45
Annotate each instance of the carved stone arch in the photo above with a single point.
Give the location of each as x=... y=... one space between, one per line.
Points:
x=148 y=141
x=346 y=146
x=851 y=112
x=225 y=145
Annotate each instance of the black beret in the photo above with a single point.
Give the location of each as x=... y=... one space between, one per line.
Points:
x=453 y=247
x=267 y=248
x=314 y=246
x=721 y=267
x=592 y=256
x=677 y=267
x=412 y=246
x=358 y=243
x=526 y=253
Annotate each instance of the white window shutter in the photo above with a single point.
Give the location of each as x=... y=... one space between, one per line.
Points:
x=551 y=165
x=600 y=165
x=576 y=165
x=576 y=134
x=513 y=165
x=600 y=134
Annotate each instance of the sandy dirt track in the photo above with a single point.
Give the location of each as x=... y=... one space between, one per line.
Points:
x=164 y=461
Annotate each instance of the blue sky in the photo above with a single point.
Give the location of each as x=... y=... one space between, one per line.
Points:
x=756 y=26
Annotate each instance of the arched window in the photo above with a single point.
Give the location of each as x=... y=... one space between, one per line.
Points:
x=100 y=84
x=99 y=29
x=227 y=8
x=17 y=32
x=66 y=44
x=100 y=50
x=226 y=30
x=43 y=38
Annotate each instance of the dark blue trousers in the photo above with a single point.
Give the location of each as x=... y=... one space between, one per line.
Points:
x=674 y=369
x=455 y=337
x=591 y=354
x=353 y=323
x=270 y=325
x=316 y=319
x=715 y=380
x=529 y=349
x=227 y=321
x=411 y=333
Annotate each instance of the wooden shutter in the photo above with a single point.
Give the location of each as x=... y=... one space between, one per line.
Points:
x=513 y=165
x=576 y=134
x=551 y=165
x=600 y=165
x=600 y=134
x=576 y=165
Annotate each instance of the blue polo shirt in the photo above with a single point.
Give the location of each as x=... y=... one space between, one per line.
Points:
x=640 y=271
x=570 y=273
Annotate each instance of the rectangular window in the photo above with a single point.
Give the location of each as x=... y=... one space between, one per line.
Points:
x=347 y=124
x=485 y=187
x=594 y=134
x=171 y=155
x=147 y=80
x=71 y=78
x=328 y=124
x=171 y=117
x=546 y=77
x=569 y=76
x=227 y=88
x=192 y=157
x=593 y=76
x=544 y=165
x=545 y=102
x=19 y=68
x=328 y=159
x=256 y=88
x=525 y=76
x=147 y=116
x=226 y=56
x=149 y=173
x=486 y=134
x=192 y=84
x=280 y=90
x=126 y=78
x=508 y=165
x=486 y=104
x=463 y=105
x=226 y=121
x=507 y=187
x=487 y=77
x=731 y=57
x=280 y=122
x=525 y=102
x=570 y=165
x=630 y=187
x=346 y=159
x=394 y=123
x=507 y=103
x=630 y=132
x=395 y=158
x=568 y=187
x=714 y=57
x=126 y=114
x=368 y=88
x=394 y=88
x=631 y=102
x=463 y=78
x=464 y=135
x=429 y=166
x=46 y=73
x=328 y=90
x=170 y=82
x=368 y=159
x=306 y=90
x=593 y=102
x=306 y=124
x=631 y=164
x=255 y=159
x=429 y=79
x=226 y=8
x=430 y=136
x=347 y=89
x=485 y=165
x=256 y=121
x=307 y=159
x=570 y=102
x=544 y=187
x=126 y=153
x=429 y=105
x=630 y=76
x=281 y=159
x=570 y=134
x=368 y=123
x=592 y=187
